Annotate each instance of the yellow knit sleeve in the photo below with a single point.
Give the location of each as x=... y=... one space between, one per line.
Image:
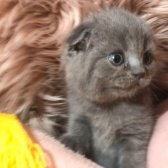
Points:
x=17 y=150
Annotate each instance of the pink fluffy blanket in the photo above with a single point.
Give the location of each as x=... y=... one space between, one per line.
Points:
x=61 y=157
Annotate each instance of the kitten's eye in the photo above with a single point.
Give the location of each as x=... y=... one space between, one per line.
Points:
x=148 y=58
x=116 y=58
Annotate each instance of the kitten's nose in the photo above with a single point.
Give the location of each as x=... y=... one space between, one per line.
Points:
x=139 y=74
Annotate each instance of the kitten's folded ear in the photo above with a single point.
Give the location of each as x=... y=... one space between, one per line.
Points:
x=78 y=40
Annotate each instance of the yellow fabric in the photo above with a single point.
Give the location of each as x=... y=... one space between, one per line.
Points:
x=16 y=148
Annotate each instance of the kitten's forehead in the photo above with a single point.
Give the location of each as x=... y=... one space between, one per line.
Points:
x=120 y=27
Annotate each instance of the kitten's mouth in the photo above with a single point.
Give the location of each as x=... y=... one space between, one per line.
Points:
x=128 y=88
x=131 y=84
x=125 y=84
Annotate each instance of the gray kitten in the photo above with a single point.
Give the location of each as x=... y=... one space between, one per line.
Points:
x=109 y=65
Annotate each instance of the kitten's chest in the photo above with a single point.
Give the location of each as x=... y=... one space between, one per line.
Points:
x=104 y=127
x=107 y=122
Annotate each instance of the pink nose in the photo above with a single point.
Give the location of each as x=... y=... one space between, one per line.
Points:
x=138 y=75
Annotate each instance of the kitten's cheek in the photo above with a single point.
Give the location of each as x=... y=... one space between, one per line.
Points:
x=120 y=83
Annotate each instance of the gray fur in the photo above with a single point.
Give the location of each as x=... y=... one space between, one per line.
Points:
x=109 y=106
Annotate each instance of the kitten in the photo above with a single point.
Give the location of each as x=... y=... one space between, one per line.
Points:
x=109 y=64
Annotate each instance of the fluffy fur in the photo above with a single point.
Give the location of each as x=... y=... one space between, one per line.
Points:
x=32 y=33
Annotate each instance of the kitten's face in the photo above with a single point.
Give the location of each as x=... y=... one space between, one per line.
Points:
x=112 y=57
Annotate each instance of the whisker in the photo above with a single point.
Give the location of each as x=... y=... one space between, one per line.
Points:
x=154 y=80
x=156 y=97
x=158 y=88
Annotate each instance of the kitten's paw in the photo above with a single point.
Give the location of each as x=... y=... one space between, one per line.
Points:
x=74 y=143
